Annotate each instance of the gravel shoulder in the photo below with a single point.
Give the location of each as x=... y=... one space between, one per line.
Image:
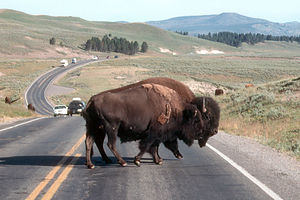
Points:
x=280 y=172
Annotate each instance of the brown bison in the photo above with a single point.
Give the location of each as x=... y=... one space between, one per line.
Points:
x=30 y=107
x=185 y=93
x=149 y=113
x=249 y=85
x=209 y=110
x=7 y=100
x=219 y=92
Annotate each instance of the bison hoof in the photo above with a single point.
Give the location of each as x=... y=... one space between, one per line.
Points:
x=137 y=163
x=178 y=156
x=159 y=161
x=91 y=166
x=123 y=164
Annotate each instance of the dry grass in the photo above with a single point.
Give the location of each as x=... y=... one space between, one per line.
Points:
x=18 y=75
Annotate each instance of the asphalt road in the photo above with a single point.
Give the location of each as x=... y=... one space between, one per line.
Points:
x=43 y=152
x=36 y=93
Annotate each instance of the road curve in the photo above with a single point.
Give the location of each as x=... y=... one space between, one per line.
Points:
x=36 y=92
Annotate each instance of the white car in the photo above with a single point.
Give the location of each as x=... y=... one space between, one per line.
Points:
x=60 y=110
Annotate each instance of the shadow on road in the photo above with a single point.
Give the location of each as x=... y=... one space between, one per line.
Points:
x=54 y=160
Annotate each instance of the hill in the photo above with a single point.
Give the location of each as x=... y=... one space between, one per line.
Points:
x=231 y=22
x=28 y=35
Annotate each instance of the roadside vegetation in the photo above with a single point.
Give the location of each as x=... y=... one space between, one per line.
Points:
x=16 y=76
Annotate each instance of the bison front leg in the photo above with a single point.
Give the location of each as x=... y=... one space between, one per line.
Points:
x=173 y=146
x=154 y=152
x=88 y=146
x=112 y=146
x=144 y=146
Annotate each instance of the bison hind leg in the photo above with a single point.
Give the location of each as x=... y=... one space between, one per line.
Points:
x=88 y=145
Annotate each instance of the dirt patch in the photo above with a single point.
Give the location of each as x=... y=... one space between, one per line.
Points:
x=2 y=74
x=54 y=90
x=28 y=38
x=203 y=87
x=163 y=50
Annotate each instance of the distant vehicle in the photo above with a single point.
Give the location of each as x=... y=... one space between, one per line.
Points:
x=116 y=56
x=74 y=60
x=64 y=63
x=60 y=110
x=76 y=106
x=107 y=57
x=95 y=57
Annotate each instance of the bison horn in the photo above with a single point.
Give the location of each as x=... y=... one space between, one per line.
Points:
x=195 y=114
x=203 y=107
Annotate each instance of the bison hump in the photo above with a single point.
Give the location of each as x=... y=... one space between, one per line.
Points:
x=163 y=91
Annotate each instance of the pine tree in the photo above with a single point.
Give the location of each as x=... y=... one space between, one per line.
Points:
x=144 y=47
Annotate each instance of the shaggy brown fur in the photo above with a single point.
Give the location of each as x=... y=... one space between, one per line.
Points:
x=184 y=92
x=132 y=114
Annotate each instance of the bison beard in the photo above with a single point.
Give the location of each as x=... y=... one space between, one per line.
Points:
x=184 y=92
x=136 y=112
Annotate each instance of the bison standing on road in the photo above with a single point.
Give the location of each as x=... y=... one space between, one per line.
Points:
x=149 y=113
x=184 y=92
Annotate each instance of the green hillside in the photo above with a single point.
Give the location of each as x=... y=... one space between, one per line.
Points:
x=22 y=34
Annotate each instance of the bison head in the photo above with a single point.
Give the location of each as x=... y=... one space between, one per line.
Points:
x=192 y=124
x=210 y=114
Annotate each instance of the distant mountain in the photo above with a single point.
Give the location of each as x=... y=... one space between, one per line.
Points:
x=231 y=22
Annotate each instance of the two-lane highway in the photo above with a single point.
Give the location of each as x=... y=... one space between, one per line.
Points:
x=36 y=92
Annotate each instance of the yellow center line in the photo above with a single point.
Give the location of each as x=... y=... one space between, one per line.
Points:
x=52 y=173
x=52 y=190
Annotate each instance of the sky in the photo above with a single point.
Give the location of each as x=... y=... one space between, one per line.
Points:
x=152 y=10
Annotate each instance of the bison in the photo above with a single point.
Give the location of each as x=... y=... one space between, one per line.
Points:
x=30 y=107
x=185 y=93
x=209 y=109
x=149 y=113
x=219 y=92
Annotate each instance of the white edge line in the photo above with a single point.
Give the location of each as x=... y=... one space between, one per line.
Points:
x=247 y=174
x=26 y=101
x=22 y=124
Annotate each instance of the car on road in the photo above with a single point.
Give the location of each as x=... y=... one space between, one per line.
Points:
x=60 y=110
x=74 y=60
x=76 y=106
x=95 y=58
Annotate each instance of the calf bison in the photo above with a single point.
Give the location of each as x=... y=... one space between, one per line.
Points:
x=184 y=92
x=149 y=113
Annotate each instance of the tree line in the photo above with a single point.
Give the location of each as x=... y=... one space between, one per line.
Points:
x=119 y=45
x=236 y=39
